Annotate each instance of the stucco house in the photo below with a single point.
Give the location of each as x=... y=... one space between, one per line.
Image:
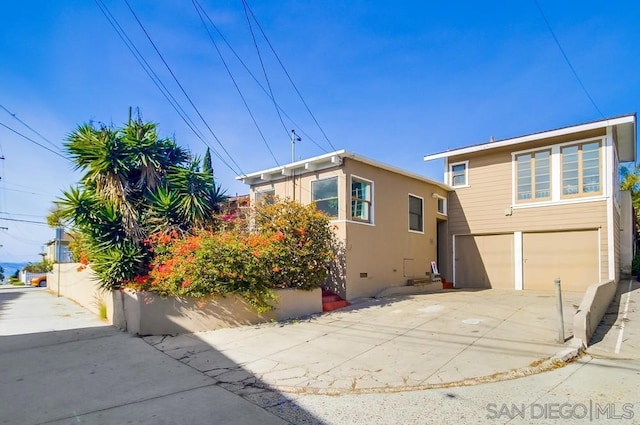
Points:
x=529 y=209
x=389 y=222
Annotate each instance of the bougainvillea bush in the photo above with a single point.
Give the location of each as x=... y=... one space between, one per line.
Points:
x=288 y=246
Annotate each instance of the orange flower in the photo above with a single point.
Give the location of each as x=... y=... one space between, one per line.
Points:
x=276 y=269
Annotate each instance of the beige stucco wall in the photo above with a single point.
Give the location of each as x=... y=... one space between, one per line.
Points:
x=591 y=311
x=486 y=205
x=148 y=314
x=79 y=283
x=384 y=253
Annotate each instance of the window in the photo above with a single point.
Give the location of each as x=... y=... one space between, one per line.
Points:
x=533 y=176
x=442 y=206
x=360 y=200
x=581 y=169
x=458 y=172
x=325 y=195
x=266 y=196
x=415 y=213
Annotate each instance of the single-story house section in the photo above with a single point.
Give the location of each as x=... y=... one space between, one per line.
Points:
x=530 y=209
x=390 y=223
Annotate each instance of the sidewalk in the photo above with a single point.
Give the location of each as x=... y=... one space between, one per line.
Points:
x=618 y=336
x=436 y=340
x=61 y=365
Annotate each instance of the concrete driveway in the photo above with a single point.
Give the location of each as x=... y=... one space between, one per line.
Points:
x=434 y=340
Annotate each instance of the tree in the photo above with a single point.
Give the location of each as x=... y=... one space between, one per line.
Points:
x=1 y=273
x=630 y=180
x=218 y=195
x=134 y=184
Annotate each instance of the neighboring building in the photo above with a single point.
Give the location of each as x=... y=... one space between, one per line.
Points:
x=64 y=255
x=530 y=209
x=391 y=224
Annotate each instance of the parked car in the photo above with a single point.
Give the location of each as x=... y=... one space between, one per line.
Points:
x=39 y=281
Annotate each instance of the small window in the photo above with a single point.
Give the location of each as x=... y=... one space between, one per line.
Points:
x=458 y=173
x=325 y=195
x=442 y=206
x=266 y=196
x=416 y=222
x=360 y=200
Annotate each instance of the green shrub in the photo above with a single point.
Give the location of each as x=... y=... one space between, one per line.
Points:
x=290 y=247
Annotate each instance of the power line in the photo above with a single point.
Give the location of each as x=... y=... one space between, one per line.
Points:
x=566 y=58
x=23 y=221
x=149 y=71
x=288 y=76
x=182 y=88
x=264 y=71
x=29 y=127
x=33 y=141
x=266 y=92
x=197 y=6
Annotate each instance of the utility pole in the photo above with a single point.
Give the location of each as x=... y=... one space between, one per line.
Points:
x=294 y=138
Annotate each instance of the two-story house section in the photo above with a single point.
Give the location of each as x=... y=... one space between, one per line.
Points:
x=530 y=209
x=388 y=221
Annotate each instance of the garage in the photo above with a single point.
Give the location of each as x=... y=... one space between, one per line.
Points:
x=571 y=256
x=484 y=261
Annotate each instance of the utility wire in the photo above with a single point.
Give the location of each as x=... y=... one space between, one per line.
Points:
x=204 y=24
x=264 y=71
x=157 y=81
x=29 y=127
x=34 y=142
x=266 y=92
x=244 y=2
x=23 y=221
x=566 y=58
x=149 y=71
x=182 y=89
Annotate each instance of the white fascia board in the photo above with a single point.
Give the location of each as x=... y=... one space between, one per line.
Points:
x=535 y=136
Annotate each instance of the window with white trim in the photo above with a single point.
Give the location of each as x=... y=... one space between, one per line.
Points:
x=581 y=174
x=442 y=205
x=533 y=176
x=266 y=196
x=416 y=217
x=325 y=195
x=459 y=174
x=361 y=200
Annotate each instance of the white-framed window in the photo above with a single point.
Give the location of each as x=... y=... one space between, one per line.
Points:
x=441 y=205
x=533 y=176
x=361 y=199
x=459 y=174
x=416 y=213
x=581 y=169
x=325 y=195
x=267 y=196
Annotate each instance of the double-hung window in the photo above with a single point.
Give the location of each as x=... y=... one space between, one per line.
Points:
x=458 y=174
x=325 y=195
x=416 y=216
x=360 y=200
x=581 y=170
x=533 y=176
x=266 y=196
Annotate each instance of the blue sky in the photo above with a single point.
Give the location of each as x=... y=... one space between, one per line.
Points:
x=392 y=81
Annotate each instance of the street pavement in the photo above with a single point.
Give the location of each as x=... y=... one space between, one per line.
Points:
x=61 y=365
x=477 y=357
x=435 y=340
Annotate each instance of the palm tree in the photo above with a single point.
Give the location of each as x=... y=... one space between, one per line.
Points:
x=134 y=184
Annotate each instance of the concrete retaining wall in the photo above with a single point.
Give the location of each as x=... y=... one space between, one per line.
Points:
x=80 y=284
x=145 y=313
x=591 y=311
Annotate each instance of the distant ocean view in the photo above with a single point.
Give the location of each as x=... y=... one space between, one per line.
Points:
x=11 y=268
